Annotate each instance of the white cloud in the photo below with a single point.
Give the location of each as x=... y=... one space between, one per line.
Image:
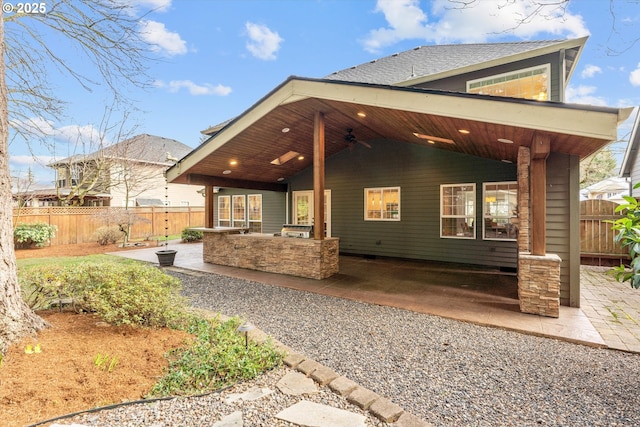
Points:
x=161 y=39
x=86 y=135
x=590 y=71
x=24 y=160
x=194 y=89
x=584 y=95
x=477 y=22
x=634 y=77
x=263 y=43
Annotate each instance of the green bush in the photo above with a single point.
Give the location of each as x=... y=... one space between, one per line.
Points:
x=105 y=235
x=191 y=235
x=133 y=294
x=33 y=234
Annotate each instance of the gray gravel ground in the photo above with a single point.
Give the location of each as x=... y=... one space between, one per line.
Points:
x=447 y=372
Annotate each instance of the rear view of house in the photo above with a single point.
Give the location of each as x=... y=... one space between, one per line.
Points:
x=460 y=153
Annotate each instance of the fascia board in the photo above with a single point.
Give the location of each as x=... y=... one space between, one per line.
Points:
x=569 y=44
x=277 y=97
x=527 y=114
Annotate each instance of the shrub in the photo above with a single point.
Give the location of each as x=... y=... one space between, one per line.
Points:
x=105 y=235
x=33 y=234
x=132 y=294
x=191 y=235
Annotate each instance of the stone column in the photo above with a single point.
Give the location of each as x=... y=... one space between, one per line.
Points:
x=539 y=284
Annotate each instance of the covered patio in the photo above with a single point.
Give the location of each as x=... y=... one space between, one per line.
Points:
x=481 y=296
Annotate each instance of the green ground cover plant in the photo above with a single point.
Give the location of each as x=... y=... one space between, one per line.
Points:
x=217 y=358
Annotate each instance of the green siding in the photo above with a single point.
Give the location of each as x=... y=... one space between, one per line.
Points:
x=418 y=171
x=562 y=240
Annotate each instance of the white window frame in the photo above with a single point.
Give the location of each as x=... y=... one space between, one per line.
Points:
x=384 y=214
x=466 y=220
x=219 y=217
x=504 y=217
x=233 y=210
x=546 y=70
x=254 y=222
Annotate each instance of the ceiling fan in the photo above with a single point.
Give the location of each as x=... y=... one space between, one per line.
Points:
x=351 y=139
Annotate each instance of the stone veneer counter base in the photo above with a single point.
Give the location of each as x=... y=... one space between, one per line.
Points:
x=314 y=259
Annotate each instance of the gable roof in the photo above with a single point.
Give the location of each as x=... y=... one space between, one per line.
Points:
x=283 y=122
x=143 y=148
x=426 y=63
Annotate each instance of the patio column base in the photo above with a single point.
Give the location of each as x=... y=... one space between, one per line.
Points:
x=539 y=284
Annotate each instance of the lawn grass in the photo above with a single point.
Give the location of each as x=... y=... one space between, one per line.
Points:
x=71 y=260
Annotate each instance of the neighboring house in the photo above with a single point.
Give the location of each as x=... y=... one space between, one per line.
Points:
x=630 y=164
x=612 y=189
x=459 y=153
x=126 y=174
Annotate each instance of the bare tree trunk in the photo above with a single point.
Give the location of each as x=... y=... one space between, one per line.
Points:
x=16 y=318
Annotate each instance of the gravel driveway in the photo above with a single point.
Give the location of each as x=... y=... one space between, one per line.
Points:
x=447 y=372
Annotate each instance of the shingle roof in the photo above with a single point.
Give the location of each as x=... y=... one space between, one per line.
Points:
x=143 y=148
x=425 y=61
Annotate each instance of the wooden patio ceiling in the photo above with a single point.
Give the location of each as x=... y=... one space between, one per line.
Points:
x=245 y=159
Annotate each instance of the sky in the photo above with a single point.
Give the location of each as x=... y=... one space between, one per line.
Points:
x=214 y=59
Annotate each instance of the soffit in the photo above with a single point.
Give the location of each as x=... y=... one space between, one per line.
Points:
x=255 y=139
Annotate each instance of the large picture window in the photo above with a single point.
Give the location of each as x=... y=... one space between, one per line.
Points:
x=255 y=213
x=239 y=210
x=500 y=210
x=224 y=211
x=382 y=204
x=457 y=211
x=530 y=83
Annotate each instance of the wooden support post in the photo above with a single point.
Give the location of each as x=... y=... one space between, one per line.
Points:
x=540 y=148
x=208 y=207
x=318 y=176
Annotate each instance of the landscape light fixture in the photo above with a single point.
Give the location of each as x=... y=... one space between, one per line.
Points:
x=246 y=327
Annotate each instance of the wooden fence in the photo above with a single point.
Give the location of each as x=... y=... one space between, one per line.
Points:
x=597 y=245
x=78 y=224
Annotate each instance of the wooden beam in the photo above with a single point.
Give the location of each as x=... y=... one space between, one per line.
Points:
x=208 y=206
x=540 y=148
x=318 y=176
x=215 y=181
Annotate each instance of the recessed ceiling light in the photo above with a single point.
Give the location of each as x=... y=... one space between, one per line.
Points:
x=226 y=172
x=280 y=179
x=300 y=157
x=465 y=131
x=362 y=114
x=506 y=161
x=505 y=141
x=233 y=162
x=285 y=130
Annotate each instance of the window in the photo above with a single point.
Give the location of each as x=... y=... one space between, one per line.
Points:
x=457 y=211
x=500 y=210
x=239 y=211
x=224 y=211
x=184 y=203
x=530 y=83
x=382 y=204
x=255 y=213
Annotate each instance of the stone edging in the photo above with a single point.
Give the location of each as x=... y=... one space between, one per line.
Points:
x=380 y=407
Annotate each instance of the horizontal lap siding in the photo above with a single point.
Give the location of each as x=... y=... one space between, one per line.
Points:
x=418 y=171
x=558 y=217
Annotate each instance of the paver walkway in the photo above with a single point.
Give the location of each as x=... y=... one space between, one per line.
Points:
x=612 y=307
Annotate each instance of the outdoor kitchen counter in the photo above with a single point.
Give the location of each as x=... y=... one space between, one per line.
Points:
x=314 y=259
